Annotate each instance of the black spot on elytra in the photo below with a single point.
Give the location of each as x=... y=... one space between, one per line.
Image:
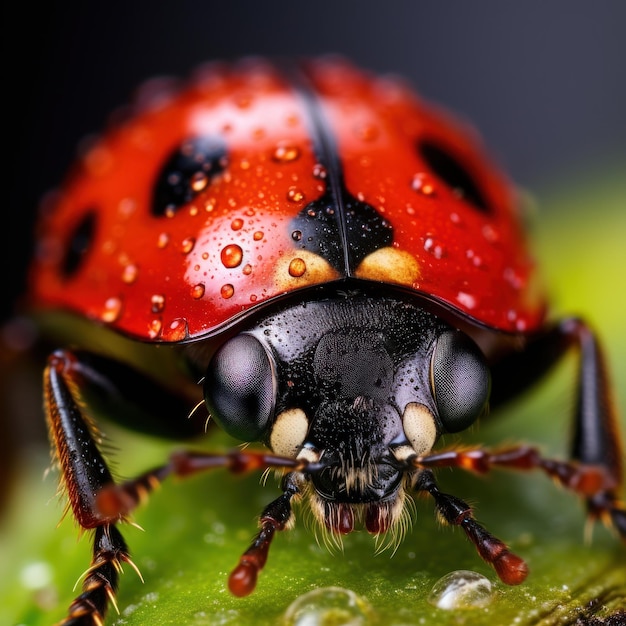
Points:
x=196 y=157
x=321 y=228
x=449 y=169
x=78 y=243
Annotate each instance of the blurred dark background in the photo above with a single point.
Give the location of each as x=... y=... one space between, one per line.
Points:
x=543 y=81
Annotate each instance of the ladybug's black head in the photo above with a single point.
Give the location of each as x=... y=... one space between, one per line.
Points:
x=356 y=388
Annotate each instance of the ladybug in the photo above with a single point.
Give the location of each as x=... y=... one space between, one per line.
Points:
x=327 y=265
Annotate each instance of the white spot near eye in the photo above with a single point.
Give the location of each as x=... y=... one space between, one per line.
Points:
x=288 y=432
x=419 y=427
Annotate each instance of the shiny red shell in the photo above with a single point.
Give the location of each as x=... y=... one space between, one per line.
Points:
x=233 y=246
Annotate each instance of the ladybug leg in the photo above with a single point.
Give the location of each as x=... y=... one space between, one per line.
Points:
x=597 y=473
x=117 y=500
x=590 y=481
x=84 y=472
x=511 y=569
x=276 y=516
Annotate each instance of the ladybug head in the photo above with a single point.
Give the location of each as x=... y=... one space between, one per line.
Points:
x=356 y=391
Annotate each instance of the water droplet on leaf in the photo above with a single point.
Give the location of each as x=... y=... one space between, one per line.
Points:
x=462 y=589
x=328 y=606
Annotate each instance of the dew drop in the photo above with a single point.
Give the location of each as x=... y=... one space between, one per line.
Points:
x=297 y=267
x=253 y=297
x=177 y=330
x=521 y=325
x=130 y=273
x=326 y=606
x=319 y=171
x=295 y=195
x=197 y=291
x=434 y=248
x=475 y=259
x=162 y=240
x=199 y=182
x=154 y=328
x=231 y=255
x=236 y=224
x=112 y=310
x=247 y=269
x=284 y=153
x=157 y=303
x=296 y=235
x=227 y=291
x=462 y=589
x=188 y=244
x=422 y=184
x=258 y=235
x=466 y=299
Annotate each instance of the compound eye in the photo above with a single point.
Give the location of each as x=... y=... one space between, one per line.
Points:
x=239 y=388
x=460 y=379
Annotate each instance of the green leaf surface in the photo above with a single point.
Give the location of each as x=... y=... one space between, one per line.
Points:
x=195 y=530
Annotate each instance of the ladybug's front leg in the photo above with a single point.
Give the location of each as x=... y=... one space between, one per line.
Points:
x=83 y=473
x=511 y=569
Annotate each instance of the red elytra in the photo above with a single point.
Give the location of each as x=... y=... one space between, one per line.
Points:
x=232 y=245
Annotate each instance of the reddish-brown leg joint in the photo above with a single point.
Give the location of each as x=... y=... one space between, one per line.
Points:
x=242 y=579
x=596 y=483
x=511 y=569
